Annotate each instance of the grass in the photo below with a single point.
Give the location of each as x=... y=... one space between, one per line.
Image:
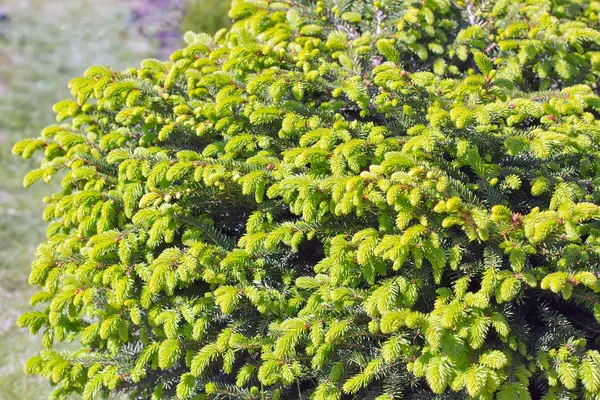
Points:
x=42 y=46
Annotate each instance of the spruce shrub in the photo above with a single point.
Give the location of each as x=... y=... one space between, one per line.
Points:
x=337 y=199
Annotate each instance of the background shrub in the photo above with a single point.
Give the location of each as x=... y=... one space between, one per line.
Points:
x=333 y=199
x=205 y=16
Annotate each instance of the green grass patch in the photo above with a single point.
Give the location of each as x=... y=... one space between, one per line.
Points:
x=43 y=45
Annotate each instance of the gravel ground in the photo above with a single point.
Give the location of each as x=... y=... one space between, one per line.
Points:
x=158 y=21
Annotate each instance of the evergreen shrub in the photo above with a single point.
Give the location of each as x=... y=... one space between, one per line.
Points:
x=337 y=199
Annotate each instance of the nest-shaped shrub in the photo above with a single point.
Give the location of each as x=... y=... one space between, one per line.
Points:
x=331 y=200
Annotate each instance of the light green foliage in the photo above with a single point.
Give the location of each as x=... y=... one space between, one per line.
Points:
x=327 y=202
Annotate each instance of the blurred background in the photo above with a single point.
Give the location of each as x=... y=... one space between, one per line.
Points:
x=43 y=44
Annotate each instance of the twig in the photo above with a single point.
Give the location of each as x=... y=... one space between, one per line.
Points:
x=471 y=12
x=379 y=17
x=353 y=34
x=490 y=48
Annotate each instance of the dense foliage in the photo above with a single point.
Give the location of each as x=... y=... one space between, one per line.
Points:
x=342 y=199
